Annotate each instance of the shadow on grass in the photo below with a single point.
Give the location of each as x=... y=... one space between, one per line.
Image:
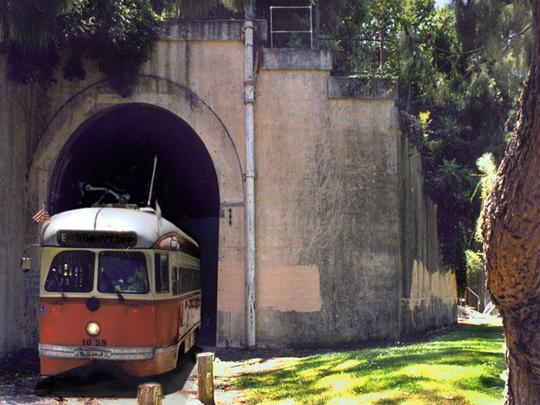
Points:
x=468 y=359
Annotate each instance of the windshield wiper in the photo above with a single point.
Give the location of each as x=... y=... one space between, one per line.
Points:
x=59 y=285
x=118 y=293
x=115 y=288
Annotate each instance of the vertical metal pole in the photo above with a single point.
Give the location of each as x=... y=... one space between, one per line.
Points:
x=317 y=26
x=271 y=28
x=249 y=100
x=311 y=26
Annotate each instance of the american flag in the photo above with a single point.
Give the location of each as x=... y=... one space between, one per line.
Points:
x=41 y=216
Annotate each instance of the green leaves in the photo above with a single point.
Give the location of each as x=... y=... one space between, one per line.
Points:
x=118 y=34
x=488 y=173
x=123 y=36
x=27 y=28
x=475 y=264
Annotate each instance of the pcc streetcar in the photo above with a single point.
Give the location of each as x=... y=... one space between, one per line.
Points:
x=118 y=286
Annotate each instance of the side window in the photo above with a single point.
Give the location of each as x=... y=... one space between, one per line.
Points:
x=185 y=281
x=162 y=272
x=189 y=280
x=181 y=280
x=175 y=281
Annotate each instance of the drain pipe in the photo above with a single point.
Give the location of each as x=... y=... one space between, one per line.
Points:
x=249 y=101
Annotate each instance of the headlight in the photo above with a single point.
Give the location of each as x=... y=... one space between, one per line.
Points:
x=93 y=328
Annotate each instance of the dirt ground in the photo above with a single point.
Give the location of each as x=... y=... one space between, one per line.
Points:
x=20 y=383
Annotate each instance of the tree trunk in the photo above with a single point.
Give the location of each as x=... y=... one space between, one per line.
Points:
x=512 y=241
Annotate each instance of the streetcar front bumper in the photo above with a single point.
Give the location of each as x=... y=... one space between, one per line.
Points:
x=97 y=353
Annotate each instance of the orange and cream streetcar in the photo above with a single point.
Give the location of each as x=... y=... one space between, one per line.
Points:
x=119 y=285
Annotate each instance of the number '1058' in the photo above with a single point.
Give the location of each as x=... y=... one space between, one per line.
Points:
x=94 y=342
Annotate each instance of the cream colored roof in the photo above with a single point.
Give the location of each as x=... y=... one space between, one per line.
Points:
x=148 y=226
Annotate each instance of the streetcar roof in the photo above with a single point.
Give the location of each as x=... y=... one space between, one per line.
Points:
x=148 y=226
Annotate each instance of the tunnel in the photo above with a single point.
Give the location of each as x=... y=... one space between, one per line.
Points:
x=116 y=149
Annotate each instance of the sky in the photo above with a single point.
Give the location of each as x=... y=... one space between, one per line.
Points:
x=441 y=3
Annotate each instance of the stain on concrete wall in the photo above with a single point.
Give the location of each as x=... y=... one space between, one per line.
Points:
x=429 y=291
x=294 y=288
x=231 y=289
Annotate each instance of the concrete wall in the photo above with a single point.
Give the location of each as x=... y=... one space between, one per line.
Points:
x=327 y=231
x=186 y=77
x=429 y=292
x=18 y=105
x=345 y=252
x=331 y=170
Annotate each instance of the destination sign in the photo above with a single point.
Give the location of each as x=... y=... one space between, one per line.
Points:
x=96 y=239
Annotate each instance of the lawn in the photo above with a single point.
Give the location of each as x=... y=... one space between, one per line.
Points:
x=465 y=366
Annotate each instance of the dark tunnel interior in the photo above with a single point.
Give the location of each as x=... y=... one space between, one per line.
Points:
x=116 y=150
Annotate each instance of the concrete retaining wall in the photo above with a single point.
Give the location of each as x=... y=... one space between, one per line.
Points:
x=429 y=292
x=20 y=117
x=346 y=240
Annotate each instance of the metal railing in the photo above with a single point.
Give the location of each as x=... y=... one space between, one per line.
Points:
x=310 y=31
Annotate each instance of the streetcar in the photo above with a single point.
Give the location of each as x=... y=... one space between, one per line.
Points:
x=119 y=286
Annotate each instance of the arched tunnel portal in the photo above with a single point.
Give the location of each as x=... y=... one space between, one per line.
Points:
x=116 y=149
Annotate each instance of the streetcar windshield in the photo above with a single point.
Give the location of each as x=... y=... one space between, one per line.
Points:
x=71 y=271
x=122 y=272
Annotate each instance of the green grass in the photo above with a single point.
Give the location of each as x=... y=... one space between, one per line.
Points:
x=461 y=367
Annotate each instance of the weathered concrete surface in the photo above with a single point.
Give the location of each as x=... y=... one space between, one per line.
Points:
x=296 y=59
x=326 y=197
x=429 y=292
x=361 y=88
x=330 y=195
x=184 y=103
x=17 y=104
x=210 y=30
x=345 y=252
x=295 y=288
x=185 y=78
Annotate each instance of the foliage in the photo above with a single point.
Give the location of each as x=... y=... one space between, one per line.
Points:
x=338 y=19
x=471 y=103
x=475 y=264
x=461 y=69
x=118 y=34
x=474 y=259
x=462 y=367
x=488 y=172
